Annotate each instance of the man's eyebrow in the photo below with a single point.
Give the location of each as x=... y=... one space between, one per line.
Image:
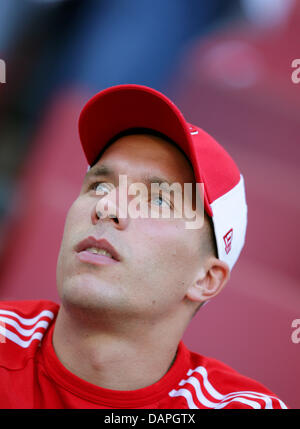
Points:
x=105 y=170
x=100 y=170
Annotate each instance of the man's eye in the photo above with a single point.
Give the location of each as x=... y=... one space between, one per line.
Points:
x=99 y=187
x=162 y=201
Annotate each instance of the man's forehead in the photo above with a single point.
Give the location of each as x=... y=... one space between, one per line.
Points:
x=149 y=155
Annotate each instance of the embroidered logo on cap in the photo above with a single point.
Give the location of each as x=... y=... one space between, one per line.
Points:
x=193 y=131
x=228 y=240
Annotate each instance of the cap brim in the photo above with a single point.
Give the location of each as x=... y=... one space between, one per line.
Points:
x=122 y=107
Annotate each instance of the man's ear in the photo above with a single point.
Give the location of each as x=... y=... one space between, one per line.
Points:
x=209 y=281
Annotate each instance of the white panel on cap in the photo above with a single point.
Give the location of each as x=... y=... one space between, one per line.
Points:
x=230 y=213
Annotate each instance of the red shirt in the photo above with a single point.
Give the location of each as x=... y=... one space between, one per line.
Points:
x=31 y=376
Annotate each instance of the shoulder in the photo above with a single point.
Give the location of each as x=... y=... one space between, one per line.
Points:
x=209 y=383
x=22 y=327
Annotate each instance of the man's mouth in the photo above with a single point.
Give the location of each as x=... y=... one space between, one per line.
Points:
x=97 y=251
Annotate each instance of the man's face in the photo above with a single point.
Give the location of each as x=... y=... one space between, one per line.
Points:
x=159 y=257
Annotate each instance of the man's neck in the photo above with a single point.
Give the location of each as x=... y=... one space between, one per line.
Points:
x=109 y=358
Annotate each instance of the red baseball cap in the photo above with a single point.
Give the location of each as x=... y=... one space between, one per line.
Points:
x=123 y=107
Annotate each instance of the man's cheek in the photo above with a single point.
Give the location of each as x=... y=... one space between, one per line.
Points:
x=76 y=217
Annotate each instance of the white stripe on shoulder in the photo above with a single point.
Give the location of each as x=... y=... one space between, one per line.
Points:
x=22 y=331
x=252 y=404
x=34 y=323
x=27 y=321
x=262 y=396
x=16 y=339
x=202 y=387
x=187 y=395
x=219 y=404
x=200 y=396
x=211 y=390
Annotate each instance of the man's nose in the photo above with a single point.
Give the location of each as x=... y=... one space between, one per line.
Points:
x=109 y=208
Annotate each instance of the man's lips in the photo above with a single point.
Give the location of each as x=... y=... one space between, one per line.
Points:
x=82 y=246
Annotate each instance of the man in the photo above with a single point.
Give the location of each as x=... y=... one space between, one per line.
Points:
x=133 y=269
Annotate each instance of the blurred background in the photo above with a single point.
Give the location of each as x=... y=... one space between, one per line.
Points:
x=227 y=65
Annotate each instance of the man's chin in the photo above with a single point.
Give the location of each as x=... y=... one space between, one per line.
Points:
x=89 y=293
